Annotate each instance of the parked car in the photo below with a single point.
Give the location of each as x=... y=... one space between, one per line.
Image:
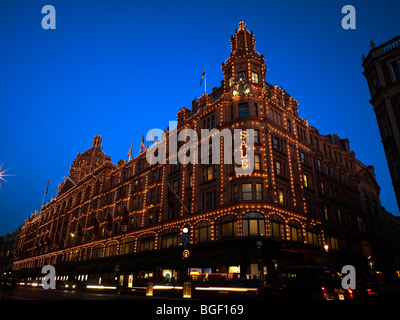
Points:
x=305 y=283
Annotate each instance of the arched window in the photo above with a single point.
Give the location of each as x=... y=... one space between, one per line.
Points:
x=170 y=238
x=227 y=227
x=111 y=249
x=312 y=236
x=295 y=231
x=253 y=224
x=333 y=242
x=276 y=227
x=127 y=246
x=75 y=256
x=202 y=232
x=98 y=251
x=147 y=242
x=365 y=249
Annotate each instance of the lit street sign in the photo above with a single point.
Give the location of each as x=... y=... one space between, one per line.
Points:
x=185 y=238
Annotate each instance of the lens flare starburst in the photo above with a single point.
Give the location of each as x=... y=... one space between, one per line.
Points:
x=3 y=174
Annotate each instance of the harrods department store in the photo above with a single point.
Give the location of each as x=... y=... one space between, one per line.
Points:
x=309 y=201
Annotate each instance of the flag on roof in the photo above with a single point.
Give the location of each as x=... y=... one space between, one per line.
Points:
x=203 y=75
x=142 y=146
x=130 y=152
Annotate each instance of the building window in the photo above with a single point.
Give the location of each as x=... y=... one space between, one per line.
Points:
x=97 y=252
x=257 y=162
x=322 y=185
x=333 y=243
x=319 y=166
x=277 y=227
x=373 y=86
x=312 y=237
x=208 y=173
x=230 y=82
x=147 y=243
x=254 y=77
x=361 y=224
x=241 y=75
x=127 y=246
x=295 y=231
x=395 y=164
x=395 y=71
x=170 y=239
x=243 y=110
x=246 y=191
x=111 y=249
x=202 y=232
x=278 y=168
x=227 y=227
x=281 y=196
x=276 y=143
x=235 y=193
x=384 y=125
x=305 y=180
x=255 y=108
x=302 y=157
x=253 y=224
x=256 y=136
x=339 y=216
x=309 y=206
x=259 y=191
x=209 y=200
x=289 y=125
x=191 y=179
x=325 y=211
x=365 y=249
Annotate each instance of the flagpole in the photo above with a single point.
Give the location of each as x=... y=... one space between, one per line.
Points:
x=45 y=192
x=187 y=211
x=205 y=80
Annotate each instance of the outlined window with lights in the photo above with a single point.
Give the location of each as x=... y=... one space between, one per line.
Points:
x=312 y=236
x=127 y=246
x=253 y=224
x=147 y=242
x=227 y=227
x=276 y=227
x=278 y=168
x=254 y=77
x=295 y=233
x=202 y=232
x=170 y=238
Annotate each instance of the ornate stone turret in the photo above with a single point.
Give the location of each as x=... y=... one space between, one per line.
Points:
x=244 y=66
x=84 y=164
x=97 y=141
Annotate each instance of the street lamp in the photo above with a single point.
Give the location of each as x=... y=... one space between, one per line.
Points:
x=326 y=247
x=185 y=230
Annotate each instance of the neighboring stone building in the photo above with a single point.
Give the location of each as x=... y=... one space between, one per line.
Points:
x=382 y=71
x=308 y=192
x=8 y=250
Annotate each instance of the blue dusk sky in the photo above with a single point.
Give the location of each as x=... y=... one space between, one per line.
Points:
x=119 y=67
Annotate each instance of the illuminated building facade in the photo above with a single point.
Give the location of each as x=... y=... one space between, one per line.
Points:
x=307 y=190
